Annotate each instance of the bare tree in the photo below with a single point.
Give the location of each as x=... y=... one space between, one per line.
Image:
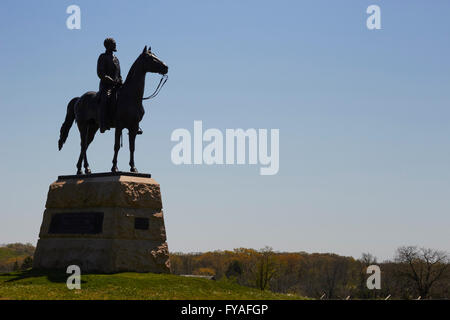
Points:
x=423 y=266
x=368 y=259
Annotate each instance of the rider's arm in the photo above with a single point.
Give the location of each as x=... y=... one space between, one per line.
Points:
x=120 y=76
x=101 y=72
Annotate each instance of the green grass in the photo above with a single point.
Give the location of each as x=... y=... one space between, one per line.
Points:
x=52 y=285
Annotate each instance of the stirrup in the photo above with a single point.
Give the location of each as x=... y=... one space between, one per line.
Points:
x=140 y=131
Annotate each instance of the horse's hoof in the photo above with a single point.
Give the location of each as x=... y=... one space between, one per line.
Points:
x=133 y=169
x=79 y=172
x=114 y=169
x=87 y=170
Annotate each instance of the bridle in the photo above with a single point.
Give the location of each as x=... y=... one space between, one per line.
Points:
x=161 y=84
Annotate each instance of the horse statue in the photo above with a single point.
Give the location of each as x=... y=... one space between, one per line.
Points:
x=127 y=114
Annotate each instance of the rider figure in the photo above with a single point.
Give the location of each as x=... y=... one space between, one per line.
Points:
x=108 y=70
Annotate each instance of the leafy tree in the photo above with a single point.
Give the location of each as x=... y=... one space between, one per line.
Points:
x=27 y=263
x=204 y=272
x=265 y=268
x=234 y=269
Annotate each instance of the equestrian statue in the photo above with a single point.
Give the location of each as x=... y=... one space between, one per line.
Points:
x=117 y=104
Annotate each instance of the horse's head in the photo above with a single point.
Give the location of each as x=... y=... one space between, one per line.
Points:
x=152 y=63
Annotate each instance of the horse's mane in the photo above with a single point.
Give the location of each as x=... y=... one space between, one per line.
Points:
x=132 y=69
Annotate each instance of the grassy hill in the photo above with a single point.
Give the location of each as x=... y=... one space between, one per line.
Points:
x=52 y=285
x=6 y=254
x=14 y=252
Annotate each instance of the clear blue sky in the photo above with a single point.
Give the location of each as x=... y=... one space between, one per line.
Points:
x=363 y=116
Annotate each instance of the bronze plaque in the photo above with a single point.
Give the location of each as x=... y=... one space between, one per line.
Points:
x=77 y=223
x=141 y=223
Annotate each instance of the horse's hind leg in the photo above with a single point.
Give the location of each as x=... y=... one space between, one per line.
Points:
x=83 y=144
x=91 y=131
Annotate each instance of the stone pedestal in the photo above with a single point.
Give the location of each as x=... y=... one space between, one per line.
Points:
x=104 y=223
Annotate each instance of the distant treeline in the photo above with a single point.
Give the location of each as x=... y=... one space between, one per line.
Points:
x=415 y=272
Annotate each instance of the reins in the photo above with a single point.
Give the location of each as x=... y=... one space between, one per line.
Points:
x=161 y=84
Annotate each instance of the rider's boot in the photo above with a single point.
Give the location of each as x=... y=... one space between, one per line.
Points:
x=102 y=125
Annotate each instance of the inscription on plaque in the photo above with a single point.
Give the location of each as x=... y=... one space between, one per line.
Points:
x=77 y=223
x=141 y=223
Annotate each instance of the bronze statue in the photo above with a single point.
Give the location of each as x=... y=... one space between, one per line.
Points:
x=126 y=110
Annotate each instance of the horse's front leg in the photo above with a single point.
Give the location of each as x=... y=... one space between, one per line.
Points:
x=116 y=148
x=91 y=131
x=83 y=144
x=132 y=139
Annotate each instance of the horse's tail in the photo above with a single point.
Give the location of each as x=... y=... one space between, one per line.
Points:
x=70 y=117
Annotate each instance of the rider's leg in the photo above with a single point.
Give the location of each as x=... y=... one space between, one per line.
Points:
x=102 y=111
